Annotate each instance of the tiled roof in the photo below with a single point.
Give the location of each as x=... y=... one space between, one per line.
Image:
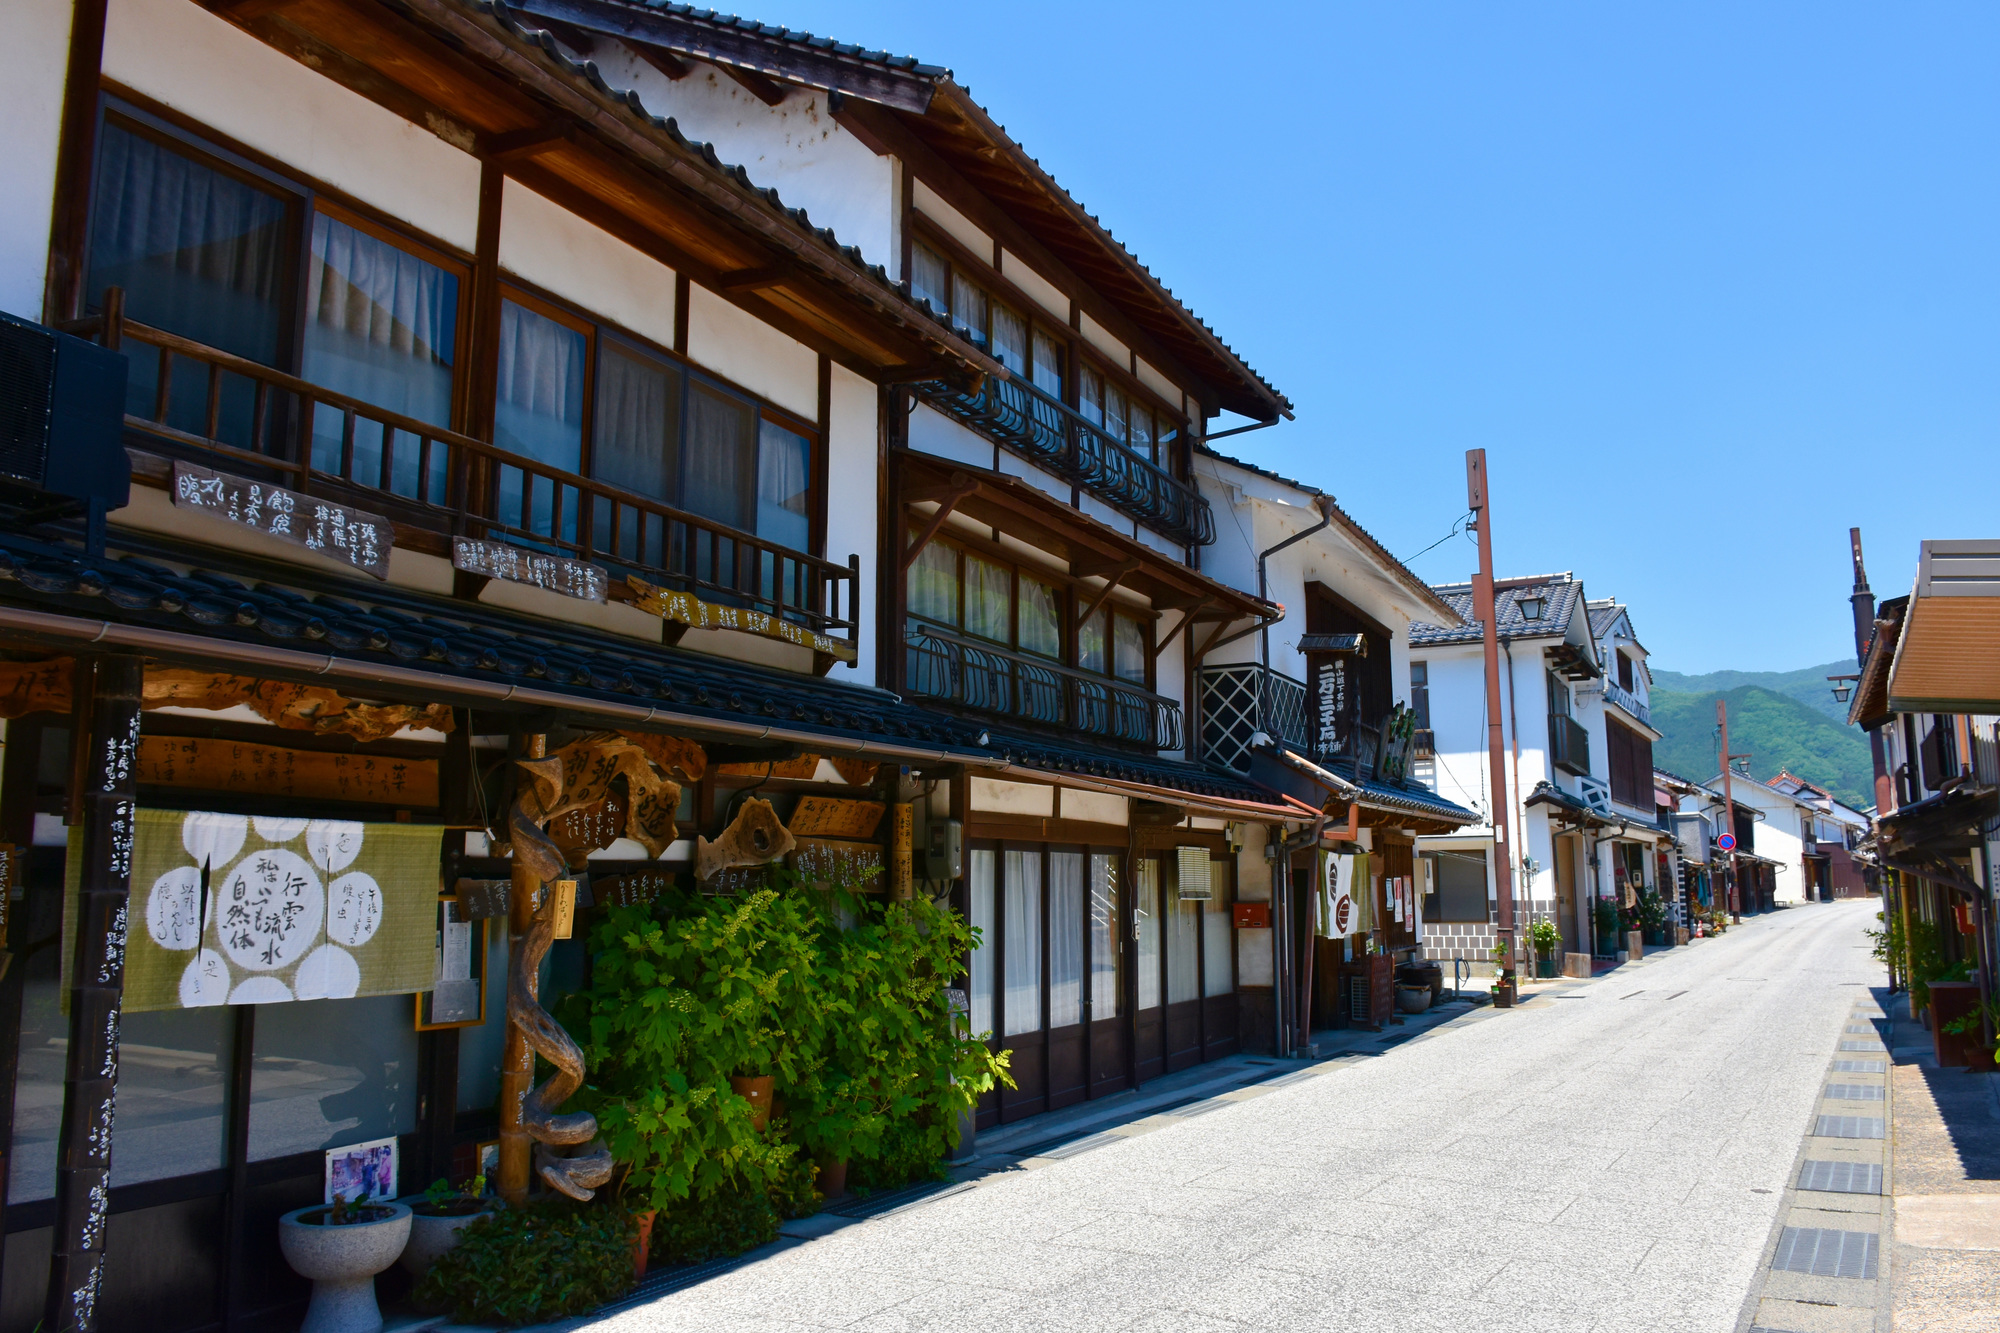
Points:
x=1560 y=591
x=802 y=43
x=392 y=626
x=1603 y=615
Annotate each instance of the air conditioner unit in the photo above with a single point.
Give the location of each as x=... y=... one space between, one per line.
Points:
x=62 y=422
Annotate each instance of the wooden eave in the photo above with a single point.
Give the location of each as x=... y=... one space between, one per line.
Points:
x=1026 y=513
x=1870 y=708
x=506 y=94
x=1947 y=657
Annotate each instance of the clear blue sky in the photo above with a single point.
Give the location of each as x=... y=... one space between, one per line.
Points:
x=1709 y=282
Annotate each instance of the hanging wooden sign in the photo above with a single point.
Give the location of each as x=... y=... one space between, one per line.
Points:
x=589 y=828
x=352 y=536
x=852 y=865
x=7 y=854
x=565 y=908
x=632 y=890
x=826 y=817
x=686 y=609
x=537 y=569
x=271 y=770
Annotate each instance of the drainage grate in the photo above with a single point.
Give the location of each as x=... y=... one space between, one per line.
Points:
x=895 y=1201
x=1854 y=1092
x=1287 y=1080
x=1848 y=1127
x=1860 y=1067
x=1201 y=1107
x=1841 y=1177
x=1861 y=1046
x=1827 y=1253
x=1397 y=1040
x=1060 y=1148
x=1866 y=1031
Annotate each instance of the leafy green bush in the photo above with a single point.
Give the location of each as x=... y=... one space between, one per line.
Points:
x=1605 y=913
x=1652 y=911
x=726 y=1220
x=1547 y=938
x=531 y=1264
x=1927 y=964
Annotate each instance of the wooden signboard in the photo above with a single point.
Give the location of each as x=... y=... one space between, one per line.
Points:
x=629 y=890
x=457 y=998
x=551 y=573
x=827 y=817
x=682 y=608
x=272 y=770
x=352 y=536
x=7 y=877
x=589 y=828
x=852 y=865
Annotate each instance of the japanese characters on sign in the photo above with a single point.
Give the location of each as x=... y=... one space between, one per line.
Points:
x=552 y=573
x=348 y=535
x=1332 y=704
x=686 y=609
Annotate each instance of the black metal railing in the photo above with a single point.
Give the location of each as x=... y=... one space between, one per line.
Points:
x=991 y=679
x=210 y=406
x=1053 y=435
x=1569 y=745
x=1240 y=699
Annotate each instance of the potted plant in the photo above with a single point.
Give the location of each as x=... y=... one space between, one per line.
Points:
x=439 y=1216
x=1547 y=940
x=1653 y=918
x=1503 y=981
x=341 y=1246
x=1605 y=915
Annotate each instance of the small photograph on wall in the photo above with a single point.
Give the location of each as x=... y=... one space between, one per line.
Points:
x=362 y=1171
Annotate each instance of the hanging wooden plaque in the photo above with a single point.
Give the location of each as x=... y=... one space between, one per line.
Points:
x=272 y=770
x=826 y=817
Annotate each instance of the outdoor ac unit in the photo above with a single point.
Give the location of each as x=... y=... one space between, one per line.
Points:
x=62 y=421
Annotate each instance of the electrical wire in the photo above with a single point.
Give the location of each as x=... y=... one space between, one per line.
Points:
x=1457 y=528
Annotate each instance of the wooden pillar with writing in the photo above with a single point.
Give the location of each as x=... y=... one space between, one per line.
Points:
x=517 y=1061
x=108 y=777
x=901 y=871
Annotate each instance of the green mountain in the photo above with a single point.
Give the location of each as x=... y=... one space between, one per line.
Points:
x=1808 y=685
x=1779 y=731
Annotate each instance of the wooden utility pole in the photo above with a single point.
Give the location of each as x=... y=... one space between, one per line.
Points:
x=1478 y=500
x=1729 y=808
x=517 y=1061
x=107 y=693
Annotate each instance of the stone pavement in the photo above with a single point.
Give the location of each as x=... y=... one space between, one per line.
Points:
x=1609 y=1157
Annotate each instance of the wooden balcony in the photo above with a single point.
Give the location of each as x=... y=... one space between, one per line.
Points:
x=987 y=678
x=1029 y=423
x=1569 y=746
x=226 y=412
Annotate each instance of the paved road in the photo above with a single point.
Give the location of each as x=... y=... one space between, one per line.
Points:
x=1612 y=1161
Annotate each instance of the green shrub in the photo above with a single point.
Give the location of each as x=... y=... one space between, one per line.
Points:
x=725 y=1220
x=1605 y=913
x=1547 y=938
x=531 y=1264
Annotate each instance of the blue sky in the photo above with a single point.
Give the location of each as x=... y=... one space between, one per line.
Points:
x=1709 y=282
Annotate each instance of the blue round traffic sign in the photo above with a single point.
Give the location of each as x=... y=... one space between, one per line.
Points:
x=1727 y=842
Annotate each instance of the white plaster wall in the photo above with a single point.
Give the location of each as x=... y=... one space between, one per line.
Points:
x=1166 y=546
x=179 y=54
x=1161 y=385
x=932 y=432
x=1047 y=482
x=1043 y=292
x=1458 y=722
x=740 y=347
x=796 y=147
x=550 y=247
x=1100 y=337
x=1170 y=675
x=950 y=221
x=31 y=109
x=1105 y=514
x=851 y=512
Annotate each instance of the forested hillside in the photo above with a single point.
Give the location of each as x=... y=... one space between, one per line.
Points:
x=1777 y=730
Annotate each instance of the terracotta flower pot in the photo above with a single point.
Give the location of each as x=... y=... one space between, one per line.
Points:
x=642 y=1244
x=831 y=1178
x=757 y=1091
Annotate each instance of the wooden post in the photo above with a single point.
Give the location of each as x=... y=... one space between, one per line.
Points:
x=109 y=777
x=1478 y=500
x=901 y=871
x=517 y=1061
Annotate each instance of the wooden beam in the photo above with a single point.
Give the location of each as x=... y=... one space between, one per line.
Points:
x=663 y=60
x=521 y=145
x=1104 y=594
x=242 y=11
x=1172 y=634
x=950 y=492
x=1215 y=643
x=766 y=90
x=1101 y=566
x=966 y=486
x=754 y=279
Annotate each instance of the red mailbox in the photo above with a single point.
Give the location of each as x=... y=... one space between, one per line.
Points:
x=1253 y=916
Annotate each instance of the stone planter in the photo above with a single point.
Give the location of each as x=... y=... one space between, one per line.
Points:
x=1546 y=968
x=342 y=1262
x=1413 y=999
x=432 y=1236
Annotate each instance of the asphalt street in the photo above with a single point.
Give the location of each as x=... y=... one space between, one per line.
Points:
x=1608 y=1159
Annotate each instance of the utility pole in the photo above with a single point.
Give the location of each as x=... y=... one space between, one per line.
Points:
x=1480 y=503
x=1729 y=807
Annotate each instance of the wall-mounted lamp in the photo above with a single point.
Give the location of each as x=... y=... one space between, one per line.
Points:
x=1531 y=607
x=1842 y=687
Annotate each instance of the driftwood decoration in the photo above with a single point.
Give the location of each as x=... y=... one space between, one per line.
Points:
x=754 y=837
x=577 y=777
x=670 y=753
x=854 y=772
x=44 y=687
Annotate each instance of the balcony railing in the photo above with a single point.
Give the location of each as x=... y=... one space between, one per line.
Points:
x=213 y=407
x=1569 y=745
x=1052 y=435
x=1241 y=699
x=990 y=679
x=1625 y=699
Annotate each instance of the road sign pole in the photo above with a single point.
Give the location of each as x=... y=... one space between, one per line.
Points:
x=1729 y=807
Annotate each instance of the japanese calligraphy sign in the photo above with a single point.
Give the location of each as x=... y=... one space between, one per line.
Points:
x=237 y=909
x=552 y=573
x=350 y=536
x=1332 y=704
x=273 y=770
x=686 y=609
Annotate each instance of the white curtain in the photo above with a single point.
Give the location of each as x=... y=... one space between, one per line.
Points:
x=784 y=486
x=1147 y=910
x=980 y=886
x=1065 y=939
x=1218 y=945
x=1022 y=891
x=1183 y=948
x=1104 y=997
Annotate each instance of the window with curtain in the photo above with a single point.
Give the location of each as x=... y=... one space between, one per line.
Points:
x=1128 y=649
x=538 y=414
x=969 y=309
x=636 y=426
x=1218 y=940
x=1090 y=396
x=1010 y=339
x=1040 y=617
x=200 y=252
x=1146 y=942
x=1183 y=931
x=1105 y=1000
x=1092 y=653
x=1048 y=373
x=933 y=584
x=784 y=486
x=1116 y=416
x=721 y=456
x=381 y=325
x=1066 y=897
x=989 y=594
x=930 y=278
x=1021 y=893
x=979 y=892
